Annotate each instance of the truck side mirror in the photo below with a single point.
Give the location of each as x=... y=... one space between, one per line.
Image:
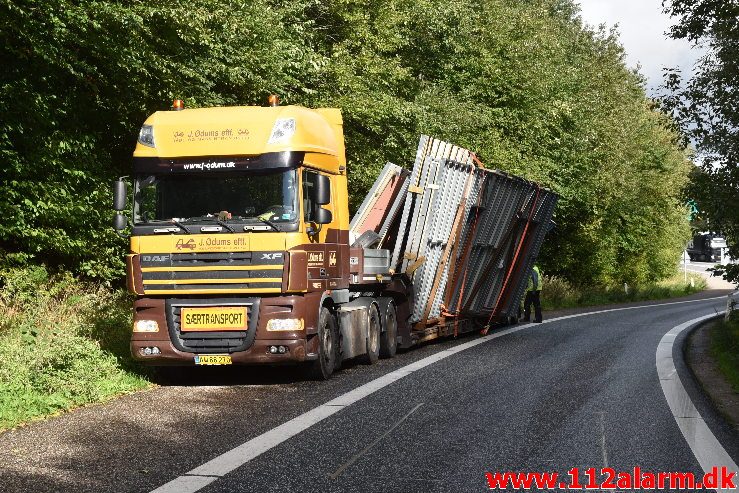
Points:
x=322 y=216
x=120 y=195
x=322 y=190
x=120 y=222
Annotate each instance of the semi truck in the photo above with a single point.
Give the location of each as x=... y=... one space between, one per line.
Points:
x=242 y=250
x=707 y=247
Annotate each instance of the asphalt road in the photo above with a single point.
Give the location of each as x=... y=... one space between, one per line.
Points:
x=579 y=392
x=699 y=267
x=702 y=269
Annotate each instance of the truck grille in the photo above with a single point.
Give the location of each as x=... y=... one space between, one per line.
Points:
x=212 y=342
x=235 y=272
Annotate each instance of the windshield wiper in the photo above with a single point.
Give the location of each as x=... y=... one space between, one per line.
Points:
x=269 y=223
x=180 y=225
x=223 y=223
x=215 y=220
x=167 y=221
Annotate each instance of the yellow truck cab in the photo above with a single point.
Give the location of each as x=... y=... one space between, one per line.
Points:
x=239 y=235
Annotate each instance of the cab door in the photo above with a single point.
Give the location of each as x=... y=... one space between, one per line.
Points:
x=325 y=252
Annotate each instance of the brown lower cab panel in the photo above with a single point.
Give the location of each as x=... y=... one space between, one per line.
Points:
x=301 y=345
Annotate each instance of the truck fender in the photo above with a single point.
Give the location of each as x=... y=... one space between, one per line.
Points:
x=354 y=326
x=337 y=297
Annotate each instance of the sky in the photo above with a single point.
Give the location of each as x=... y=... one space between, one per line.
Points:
x=642 y=27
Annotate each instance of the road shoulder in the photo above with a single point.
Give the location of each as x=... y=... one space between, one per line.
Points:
x=705 y=370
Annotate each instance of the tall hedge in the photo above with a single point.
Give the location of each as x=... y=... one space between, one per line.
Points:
x=524 y=84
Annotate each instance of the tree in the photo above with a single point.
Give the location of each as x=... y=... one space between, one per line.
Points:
x=524 y=84
x=79 y=78
x=706 y=107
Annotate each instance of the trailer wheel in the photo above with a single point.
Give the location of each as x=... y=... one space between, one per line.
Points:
x=373 y=337
x=389 y=338
x=328 y=347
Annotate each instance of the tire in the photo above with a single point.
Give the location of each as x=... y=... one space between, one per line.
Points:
x=373 y=337
x=328 y=347
x=389 y=338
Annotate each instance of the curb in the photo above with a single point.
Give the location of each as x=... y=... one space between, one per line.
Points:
x=717 y=423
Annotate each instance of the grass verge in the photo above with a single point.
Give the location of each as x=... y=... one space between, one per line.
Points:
x=63 y=344
x=558 y=293
x=725 y=349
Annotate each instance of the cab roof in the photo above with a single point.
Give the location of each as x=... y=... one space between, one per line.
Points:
x=247 y=131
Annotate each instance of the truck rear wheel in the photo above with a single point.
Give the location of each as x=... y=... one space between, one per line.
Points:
x=328 y=347
x=389 y=339
x=373 y=337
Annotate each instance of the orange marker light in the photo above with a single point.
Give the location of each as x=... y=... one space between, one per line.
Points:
x=178 y=105
x=274 y=100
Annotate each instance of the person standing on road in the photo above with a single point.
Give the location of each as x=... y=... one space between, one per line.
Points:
x=533 y=295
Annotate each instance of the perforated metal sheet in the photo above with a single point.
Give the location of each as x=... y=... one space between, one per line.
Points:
x=468 y=236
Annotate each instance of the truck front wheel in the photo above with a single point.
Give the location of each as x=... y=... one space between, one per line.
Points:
x=328 y=347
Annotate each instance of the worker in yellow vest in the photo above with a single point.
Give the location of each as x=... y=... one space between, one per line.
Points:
x=533 y=295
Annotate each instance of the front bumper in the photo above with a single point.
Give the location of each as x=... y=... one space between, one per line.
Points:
x=300 y=345
x=258 y=353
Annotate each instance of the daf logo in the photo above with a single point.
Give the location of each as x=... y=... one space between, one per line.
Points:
x=155 y=258
x=271 y=256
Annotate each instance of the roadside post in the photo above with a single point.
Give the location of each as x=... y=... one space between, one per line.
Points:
x=686 y=259
x=731 y=305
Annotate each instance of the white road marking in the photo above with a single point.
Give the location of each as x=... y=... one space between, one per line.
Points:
x=704 y=445
x=238 y=456
x=356 y=456
x=603 y=438
x=186 y=484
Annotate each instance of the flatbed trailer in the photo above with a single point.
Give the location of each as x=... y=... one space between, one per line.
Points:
x=242 y=251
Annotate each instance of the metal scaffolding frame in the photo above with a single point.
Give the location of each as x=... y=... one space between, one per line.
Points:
x=467 y=237
x=502 y=243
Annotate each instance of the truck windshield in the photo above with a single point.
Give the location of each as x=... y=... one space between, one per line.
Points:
x=245 y=196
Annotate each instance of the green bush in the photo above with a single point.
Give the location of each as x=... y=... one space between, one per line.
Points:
x=62 y=344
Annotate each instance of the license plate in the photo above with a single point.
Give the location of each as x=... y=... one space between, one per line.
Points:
x=213 y=318
x=212 y=359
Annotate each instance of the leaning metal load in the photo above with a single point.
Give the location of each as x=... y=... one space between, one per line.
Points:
x=503 y=237
x=381 y=206
x=439 y=187
x=468 y=237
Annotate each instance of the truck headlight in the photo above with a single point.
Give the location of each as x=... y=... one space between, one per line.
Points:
x=146 y=136
x=285 y=324
x=283 y=130
x=146 y=326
